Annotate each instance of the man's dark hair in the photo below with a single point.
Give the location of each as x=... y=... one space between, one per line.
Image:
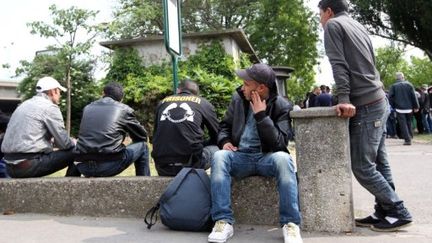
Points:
x=336 y=6
x=323 y=88
x=114 y=90
x=189 y=85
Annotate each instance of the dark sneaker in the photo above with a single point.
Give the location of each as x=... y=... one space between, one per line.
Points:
x=407 y=143
x=366 y=222
x=386 y=226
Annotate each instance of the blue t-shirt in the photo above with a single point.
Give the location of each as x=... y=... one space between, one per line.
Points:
x=250 y=141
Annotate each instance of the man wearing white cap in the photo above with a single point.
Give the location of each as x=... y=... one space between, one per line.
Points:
x=32 y=129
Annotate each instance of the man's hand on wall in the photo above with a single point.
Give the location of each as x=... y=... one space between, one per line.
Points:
x=345 y=110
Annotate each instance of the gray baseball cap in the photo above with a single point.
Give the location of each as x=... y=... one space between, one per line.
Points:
x=260 y=72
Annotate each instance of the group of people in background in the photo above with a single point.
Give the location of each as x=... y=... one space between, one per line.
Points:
x=251 y=139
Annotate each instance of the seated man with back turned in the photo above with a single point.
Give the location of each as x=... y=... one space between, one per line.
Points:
x=254 y=137
x=178 y=138
x=100 y=151
x=27 y=143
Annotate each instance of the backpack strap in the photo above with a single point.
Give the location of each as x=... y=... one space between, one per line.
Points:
x=175 y=183
x=204 y=178
x=153 y=215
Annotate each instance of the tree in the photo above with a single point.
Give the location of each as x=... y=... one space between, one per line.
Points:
x=283 y=32
x=53 y=65
x=287 y=40
x=390 y=60
x=65 y=27
x=420 y=71
x=408 y=22
x=210 y=66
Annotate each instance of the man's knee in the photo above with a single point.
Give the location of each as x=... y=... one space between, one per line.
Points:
x=283 y=160
x=220 y=160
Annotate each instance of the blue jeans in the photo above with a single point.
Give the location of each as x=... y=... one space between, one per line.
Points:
x=3 y=170
x=45 y=164
x=391 y=124
x=425 y=119
x=239 y=164
x=174 y=169
x=136 y=153
x=369 y=160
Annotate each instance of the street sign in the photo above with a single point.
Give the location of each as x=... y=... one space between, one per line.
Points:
x=172 y=26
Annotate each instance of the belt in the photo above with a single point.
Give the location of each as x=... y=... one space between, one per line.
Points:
x=23 y=165
x=372 y=103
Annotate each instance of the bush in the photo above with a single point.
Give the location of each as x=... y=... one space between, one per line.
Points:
x=144 y=87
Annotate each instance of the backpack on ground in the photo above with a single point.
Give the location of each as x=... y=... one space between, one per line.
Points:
x=185 y=204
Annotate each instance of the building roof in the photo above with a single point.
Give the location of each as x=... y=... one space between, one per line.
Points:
x=237 y=34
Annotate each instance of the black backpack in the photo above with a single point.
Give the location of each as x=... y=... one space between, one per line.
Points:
x=185 y=204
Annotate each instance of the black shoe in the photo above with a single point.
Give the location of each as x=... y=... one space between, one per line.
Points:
x=366 y=222
x=407 y=143
x=385 y=226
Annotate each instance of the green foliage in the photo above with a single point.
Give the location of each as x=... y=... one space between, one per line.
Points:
x=420 y=71
x=125 y=61
x=406 y=21
x=85 y=89
x=66 y=26
x=282 y=32
x=390 y=60
x=210 y=67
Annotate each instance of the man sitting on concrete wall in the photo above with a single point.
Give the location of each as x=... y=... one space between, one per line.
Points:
x=100 y=151
x=27 y=143
x=254 y=136
x=178 y=138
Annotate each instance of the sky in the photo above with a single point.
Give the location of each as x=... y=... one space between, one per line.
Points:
x=16 y=42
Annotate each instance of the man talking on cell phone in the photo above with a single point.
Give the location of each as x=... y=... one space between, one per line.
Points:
x=253 y=137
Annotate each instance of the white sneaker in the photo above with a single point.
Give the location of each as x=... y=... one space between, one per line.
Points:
x=221 y=232
x=291 y=233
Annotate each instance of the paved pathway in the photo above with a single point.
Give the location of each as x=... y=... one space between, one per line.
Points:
x=412 y=170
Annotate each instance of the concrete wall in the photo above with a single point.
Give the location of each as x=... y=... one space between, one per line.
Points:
x=322 y=155
x=323 y=161
x=154 y=52
x=255 y=199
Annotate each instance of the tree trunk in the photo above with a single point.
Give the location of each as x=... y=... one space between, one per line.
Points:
x=68 y=100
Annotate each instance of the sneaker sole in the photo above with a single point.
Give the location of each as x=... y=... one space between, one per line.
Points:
x=364 y=225
x=391 y=229
x=221 y=241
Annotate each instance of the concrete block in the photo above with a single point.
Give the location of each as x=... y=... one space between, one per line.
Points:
x=323 y=161
x=255 y=199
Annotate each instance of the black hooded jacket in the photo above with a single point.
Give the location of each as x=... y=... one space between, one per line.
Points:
x=273 y=124
x=179 y=128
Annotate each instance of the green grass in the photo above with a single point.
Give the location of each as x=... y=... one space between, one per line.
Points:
x=423 y=138
x=130 y=171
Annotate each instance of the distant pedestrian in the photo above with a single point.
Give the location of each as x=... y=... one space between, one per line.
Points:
x=425 y=109
x=325 y=98
x=403 y=99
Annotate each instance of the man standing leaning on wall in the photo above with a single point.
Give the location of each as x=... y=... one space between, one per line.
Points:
x=362 y=99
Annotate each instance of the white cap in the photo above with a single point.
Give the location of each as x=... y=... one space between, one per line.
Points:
x=47 y=83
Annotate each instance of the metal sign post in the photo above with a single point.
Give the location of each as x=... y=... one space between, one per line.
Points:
x=172 y=34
